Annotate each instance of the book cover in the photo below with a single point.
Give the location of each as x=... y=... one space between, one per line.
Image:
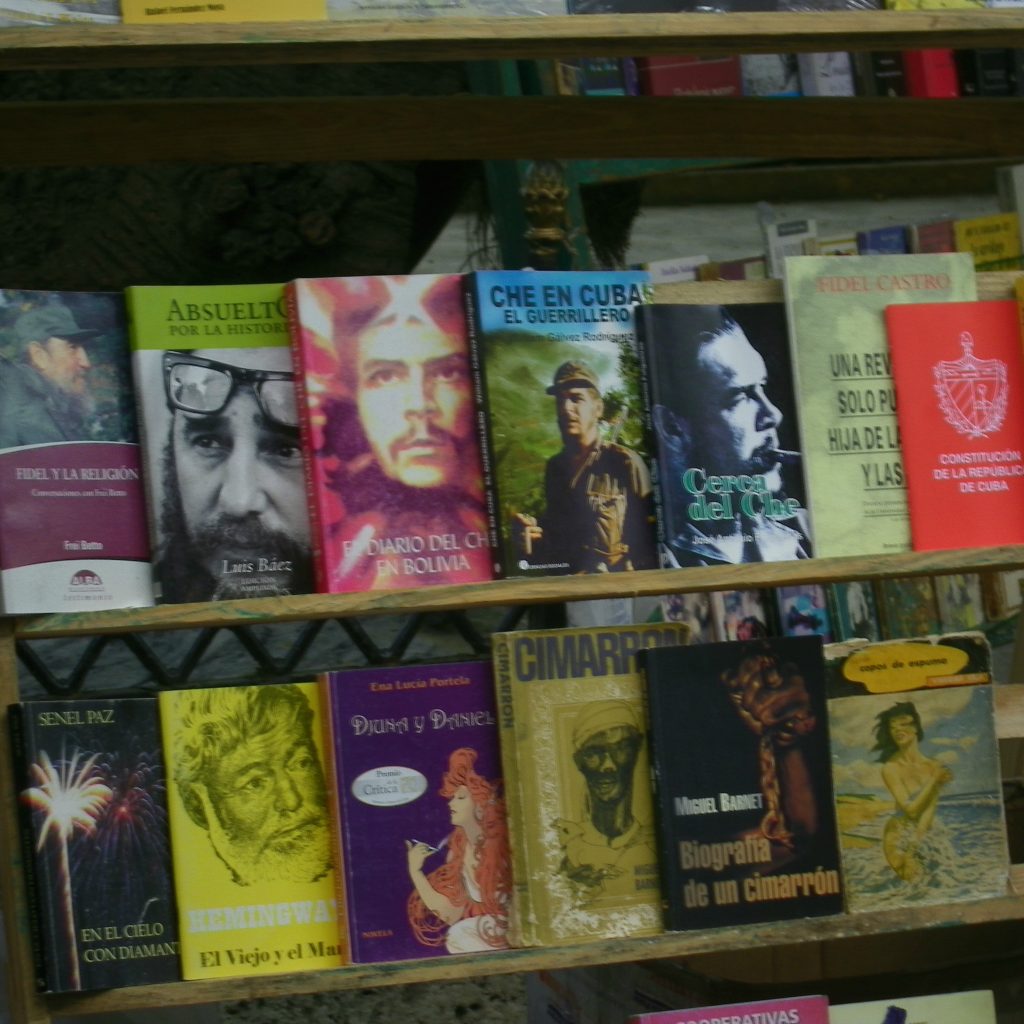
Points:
x=845 y=394
x=739 y=614
x=960 y=601
x=984 y=72
x=694 y=611
x=54 y=12
x=770 y=74
x=952 y=1008
x=72 y=512
x=574 y=750
x=421 y=811
x=739 y=739
x=959 y=379
x=938 y=236
x=854 y=610
x=225 y=486
x=803 y=611
x=877 y=241
x=880 y=73
x=796 y=1010
x=931 y=73
x=389 y=434
x=557 y=386
x=907 y=606
x=915 y=763
x=789 y=238
x=826 y=74
x=93 y=807
x=678 y=268
x=993 y=241
x=838 y=245
x=722 y=418
x=144 y=12
x=346 y=10
x=749 y=268
x=690 y=76
x=1002 y=593
x=254 y=870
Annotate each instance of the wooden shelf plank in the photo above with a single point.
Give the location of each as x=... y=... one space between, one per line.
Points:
x=75 y=46
x=676 y=944
x=545 y=590
x=85 y=133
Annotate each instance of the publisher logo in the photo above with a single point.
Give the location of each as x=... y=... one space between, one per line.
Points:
x=86 y=579
x=972 y=392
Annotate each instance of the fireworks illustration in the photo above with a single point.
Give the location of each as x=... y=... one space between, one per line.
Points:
x=70 y=796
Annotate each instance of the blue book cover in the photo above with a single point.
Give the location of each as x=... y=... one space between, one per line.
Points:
x=878 y=241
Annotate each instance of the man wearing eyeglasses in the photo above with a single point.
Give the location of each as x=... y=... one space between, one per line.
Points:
x=234 y=521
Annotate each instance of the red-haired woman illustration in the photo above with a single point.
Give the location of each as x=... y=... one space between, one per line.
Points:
x=463 y=904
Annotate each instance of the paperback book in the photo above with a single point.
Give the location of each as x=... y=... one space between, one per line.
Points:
x=950 y=1008
x=803 y=611
x=570 y=704
x=421 y=810
x=96 y=853
x=960 y=600
x=846 y=400
x=959 y=381
x=722 y=418
x=557 y=385
x=254 y=864
x=389 y=436
x=908 y=607
x=72 y=513
x=798 y=1010
x=915 y=763
x=739 y=614
x=746 y=822
x=854 y=610
x=225 y=487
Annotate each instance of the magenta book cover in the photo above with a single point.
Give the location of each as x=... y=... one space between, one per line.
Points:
x=424 y=840
x=72 y=515
x=393 y=463
x=800 y=1010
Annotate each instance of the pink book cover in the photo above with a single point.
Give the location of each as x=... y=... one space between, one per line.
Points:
x=386 y=409
x=800 y=1010
x=959 y=377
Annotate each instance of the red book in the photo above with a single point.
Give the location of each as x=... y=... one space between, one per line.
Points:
x=931 y=73
x=959 y=377
x=690 y=76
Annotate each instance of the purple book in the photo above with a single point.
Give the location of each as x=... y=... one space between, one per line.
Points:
x=421 y=810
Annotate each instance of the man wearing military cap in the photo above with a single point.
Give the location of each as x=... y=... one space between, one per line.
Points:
x=598 y=506
x=45 y=392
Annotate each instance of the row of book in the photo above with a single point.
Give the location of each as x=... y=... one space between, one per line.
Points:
x=393 y=813
x=351 y=434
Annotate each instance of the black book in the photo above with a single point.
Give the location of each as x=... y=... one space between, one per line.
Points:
x=92 y=803
x=739 y=747
x=985 y=72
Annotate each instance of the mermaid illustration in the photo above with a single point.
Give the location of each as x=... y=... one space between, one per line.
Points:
x=914 y=781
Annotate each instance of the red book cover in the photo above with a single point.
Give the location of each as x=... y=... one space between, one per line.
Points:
x=935 y=237
x=386 y=408
x=931 y=73
x=959 y=379
x=690 y=76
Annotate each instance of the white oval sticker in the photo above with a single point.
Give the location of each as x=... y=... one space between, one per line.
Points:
x=389 y=786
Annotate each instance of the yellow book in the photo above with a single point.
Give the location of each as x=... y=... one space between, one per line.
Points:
x=162 y=12
x=993 y=241
x=254 y=870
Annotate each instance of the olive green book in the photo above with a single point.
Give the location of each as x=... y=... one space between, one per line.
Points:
x=846 y=399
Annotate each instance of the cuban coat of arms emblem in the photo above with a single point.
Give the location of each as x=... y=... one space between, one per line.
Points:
x=972 y=392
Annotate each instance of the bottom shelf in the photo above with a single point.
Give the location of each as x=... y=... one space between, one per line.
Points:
x=607 y=951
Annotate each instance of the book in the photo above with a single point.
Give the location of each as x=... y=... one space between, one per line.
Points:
x=407 y=10
x=803 y=611
x=854 y=610
x=960 y=601
x=838 y=245
x=743 y=794
x=984 y=71
x=421 y=814
x=845 y=396
x=1002 y=593
x=826 y=74
x=694 y=610
x=959 y=378
x=386 y=410
x=769 y=74
x=907 y=607
x=667 y=271
x=994 y=241
x=142 y=12
x=721 y=413
x=789 y=238
x=72 y=513
x=795 y=1010
x=952 y=1008
x=880 y=73
x=739 y=614
x=254 y=867
x=690 y=76
x=876 y=241
x=574 y=753
x=93 y=807
x=225 y=486
x=938 y=236
x=749 y=268
x=916 y=767
x=52 y=12
x=557 y=387
x=931 y=73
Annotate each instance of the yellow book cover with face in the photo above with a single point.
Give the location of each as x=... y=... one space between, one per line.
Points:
x=254 y=869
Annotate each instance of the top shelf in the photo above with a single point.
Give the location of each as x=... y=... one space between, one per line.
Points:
x=612 y=35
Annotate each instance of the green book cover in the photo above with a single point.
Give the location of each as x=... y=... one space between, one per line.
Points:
x=846 y=399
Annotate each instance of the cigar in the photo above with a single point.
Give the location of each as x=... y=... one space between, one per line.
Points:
x=785 y=455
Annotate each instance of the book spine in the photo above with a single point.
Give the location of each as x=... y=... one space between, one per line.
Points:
x=29 y=866
x=642 y=332
x=520 y=924
x=321 y=575
x=483 y=429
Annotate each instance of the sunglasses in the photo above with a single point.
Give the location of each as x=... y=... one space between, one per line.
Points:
x=205 y=387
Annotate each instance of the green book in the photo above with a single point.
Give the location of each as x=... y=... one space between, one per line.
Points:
x=846 y=399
